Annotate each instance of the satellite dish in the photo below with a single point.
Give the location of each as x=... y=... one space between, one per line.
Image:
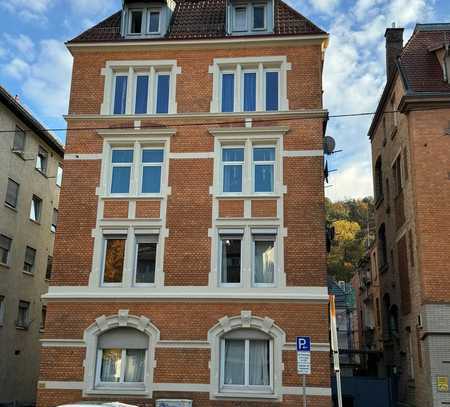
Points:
x=329 y=144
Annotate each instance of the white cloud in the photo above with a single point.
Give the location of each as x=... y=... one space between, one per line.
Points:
x=324 y=6
x=17 y=68
x=353 y=181
x=21 y=43
x=93 y=8
x=27 y=9
x=48 y=82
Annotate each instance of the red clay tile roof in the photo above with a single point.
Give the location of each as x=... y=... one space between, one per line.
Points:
x=420 y=67
x=202 y=19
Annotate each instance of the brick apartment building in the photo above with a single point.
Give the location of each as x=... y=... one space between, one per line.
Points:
x=191 y=247
x=410 y=139
x=30 y=180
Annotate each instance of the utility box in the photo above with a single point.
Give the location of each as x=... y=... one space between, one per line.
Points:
x=173 y=403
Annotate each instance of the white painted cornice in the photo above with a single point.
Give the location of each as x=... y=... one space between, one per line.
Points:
x=249 y=131
x=137 y=132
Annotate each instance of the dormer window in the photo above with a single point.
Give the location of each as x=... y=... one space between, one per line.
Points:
x=250 y=18
x=153 y=21
x=136 y=20
x=140 y=21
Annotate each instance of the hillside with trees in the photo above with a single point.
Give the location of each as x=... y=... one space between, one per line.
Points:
x=354 y=226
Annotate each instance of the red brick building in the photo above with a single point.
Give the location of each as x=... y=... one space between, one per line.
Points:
x=411 y=161
x=190 y=249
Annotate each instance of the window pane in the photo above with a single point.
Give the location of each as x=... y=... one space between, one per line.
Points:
x=162 y=100
x=59 y=175
x=258 y=17
x=259 y=363
x=151 y=179
x=250 y=92
x=19 y=140
x=233 y=154
x=12 y=192
x=231 y=260
x=120 y=180
x=234 y=362
x=264 y=154
x=141 y=94
x=145 y=264
x=35 y=210
x=271 y=90
x=120 y=95
x=240 y=19
x=136 y=22
x=227 y=92
x=111 y=363
x=153 y=24
x=114 y=256
x=122 y=156
x=134 y=367
x=48 y=272
x=232 y=178
x=264 y=262
x=152 y=156
x=264 y=178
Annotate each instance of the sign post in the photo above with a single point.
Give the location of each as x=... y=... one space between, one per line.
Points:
x=304 y=360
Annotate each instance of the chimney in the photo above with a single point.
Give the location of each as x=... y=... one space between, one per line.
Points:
x=394 y=46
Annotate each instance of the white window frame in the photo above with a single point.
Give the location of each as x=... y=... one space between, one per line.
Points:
x=121 y=383
x=59 y=175
x=257 y=96
x=258 y=389
x=222 y=236
x=142 y=165
x=264 y=6
x=132 y=69
x=267 y=237
x=141 y=239
x=155 y=90
x=255 y=163
x=234 y=28
x=261 y=65
x=130 y=19
x=149 y=11
x=113 y=165
x=225 y=163
x=105 y=239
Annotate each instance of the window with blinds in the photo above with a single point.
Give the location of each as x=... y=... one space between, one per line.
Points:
x=12 y=193
x=19 y=140
x=30 y=256
x=5 y=247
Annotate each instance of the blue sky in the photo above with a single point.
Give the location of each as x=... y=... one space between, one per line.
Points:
x=35 y=65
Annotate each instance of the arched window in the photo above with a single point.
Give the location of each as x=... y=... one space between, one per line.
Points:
x=246 y=357
x=120 y=352
x=121 y=357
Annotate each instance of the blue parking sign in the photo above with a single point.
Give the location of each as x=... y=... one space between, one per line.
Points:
x=303 y=344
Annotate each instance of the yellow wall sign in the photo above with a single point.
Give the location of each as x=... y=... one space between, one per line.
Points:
x=442 y=383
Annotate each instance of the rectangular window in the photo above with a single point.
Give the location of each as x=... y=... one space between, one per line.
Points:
x=43 y=317
x=272 y=91
x=114 y=260
x=36 y=207
x=5 y=247
x=122 y=365
x=120 y=94
x=397 y=173
x=41 y=160
x=264 y=260
x=12 y=193
x=122 y=161
x=48 y=271
x=259 y=17
x=140 y=106
x=153 y=22
x=246 y=364
x=54 y=220
x=233 y=163
x=240 y=19
x=162 y=93
x=146 y=247
x=264 y=169
x=151 y=170
x=249 y=89
x=30 y=258
x=59 y=175
x=227 y=92
x=19 y=140
x=136 y=19
x=230 y=259
x=23 y=314
x=2 y=310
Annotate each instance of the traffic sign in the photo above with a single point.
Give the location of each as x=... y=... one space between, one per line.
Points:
x=304 y=363
x=303 y=344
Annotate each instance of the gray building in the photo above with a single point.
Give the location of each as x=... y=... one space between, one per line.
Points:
x=30 y=179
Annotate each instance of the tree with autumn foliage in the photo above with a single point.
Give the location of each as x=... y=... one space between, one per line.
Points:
x=354 y=228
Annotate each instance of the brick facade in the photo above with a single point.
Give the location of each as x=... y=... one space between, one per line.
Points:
x=188 y=214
